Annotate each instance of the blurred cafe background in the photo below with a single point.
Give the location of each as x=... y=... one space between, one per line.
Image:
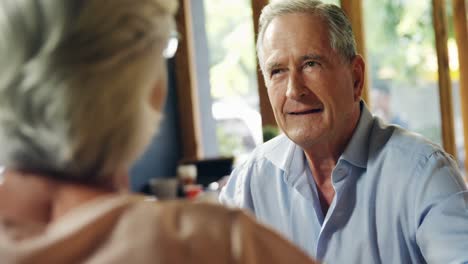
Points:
x=218 y=111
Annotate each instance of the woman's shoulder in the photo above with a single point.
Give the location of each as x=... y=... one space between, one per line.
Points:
x=178 y=213
x=177 y=231
x=211 y=233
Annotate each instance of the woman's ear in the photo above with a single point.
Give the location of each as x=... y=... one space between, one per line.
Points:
x=158 y=94
x=358 y=67
x=121 y=182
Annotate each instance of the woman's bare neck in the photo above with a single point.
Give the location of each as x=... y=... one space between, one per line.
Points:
x=34 y=198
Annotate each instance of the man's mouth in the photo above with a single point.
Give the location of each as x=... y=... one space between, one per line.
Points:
x=306 y=112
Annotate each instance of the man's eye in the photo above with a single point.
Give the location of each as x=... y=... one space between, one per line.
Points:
x=275 y=71
x=310 y=64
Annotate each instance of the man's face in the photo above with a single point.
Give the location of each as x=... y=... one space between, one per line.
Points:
x=314 y=92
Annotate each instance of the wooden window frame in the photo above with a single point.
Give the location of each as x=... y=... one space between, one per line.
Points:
x=445 y=84
x=461 y=36
x=266 y=112
x=187 y=95
x=353 y=9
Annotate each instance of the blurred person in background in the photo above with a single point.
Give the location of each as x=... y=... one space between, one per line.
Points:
x=82 y=84
x=341 y=183
x=381 y=98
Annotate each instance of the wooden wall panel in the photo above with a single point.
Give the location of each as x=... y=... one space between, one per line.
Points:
x=461 y=35
x=187 y=96
x=266 y=111
x=354 y=11
x=445 y=84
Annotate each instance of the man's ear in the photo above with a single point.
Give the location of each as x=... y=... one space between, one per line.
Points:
x=358 y=70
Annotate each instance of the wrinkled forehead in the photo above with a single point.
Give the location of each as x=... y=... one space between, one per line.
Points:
x=296 y=32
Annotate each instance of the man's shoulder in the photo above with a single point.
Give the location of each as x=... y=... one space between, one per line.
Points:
x=391 y=138
x=413 y=165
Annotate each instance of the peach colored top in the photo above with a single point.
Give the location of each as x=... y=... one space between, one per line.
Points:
x=125 y=229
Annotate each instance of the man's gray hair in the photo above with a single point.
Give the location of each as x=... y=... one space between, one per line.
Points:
x=75 y=81
x=340 y=33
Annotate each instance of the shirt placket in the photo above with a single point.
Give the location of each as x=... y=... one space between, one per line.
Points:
x=336 y=210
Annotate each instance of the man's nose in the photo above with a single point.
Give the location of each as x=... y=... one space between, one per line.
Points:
x=296 y=86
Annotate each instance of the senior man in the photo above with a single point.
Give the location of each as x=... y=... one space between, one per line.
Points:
x=339 y=182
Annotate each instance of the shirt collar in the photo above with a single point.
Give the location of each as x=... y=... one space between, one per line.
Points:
x=288 y=157
x=357 y=150
x=281 y=151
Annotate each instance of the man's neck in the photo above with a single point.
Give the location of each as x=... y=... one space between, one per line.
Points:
x=322 y=166
x=322 y=159
x=321 y=169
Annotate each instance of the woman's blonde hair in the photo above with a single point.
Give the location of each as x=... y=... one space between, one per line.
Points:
x=75 y=81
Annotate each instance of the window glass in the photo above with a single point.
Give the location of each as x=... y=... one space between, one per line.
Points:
x=232 y=76
x=402 y=65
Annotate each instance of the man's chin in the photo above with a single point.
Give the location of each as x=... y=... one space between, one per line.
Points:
x=304 y=138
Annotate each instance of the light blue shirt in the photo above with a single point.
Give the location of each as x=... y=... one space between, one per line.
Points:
x=398 y=198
